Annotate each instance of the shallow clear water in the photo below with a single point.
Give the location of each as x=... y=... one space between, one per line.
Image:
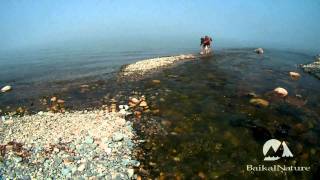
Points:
x=212 y=131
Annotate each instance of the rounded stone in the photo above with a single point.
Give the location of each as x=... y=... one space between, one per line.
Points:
x=156 y=81
x=294 y=75
x=259 y=102
x=6 y=89
x=280 y=92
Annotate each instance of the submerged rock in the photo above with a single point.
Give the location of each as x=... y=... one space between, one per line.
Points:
x=60 y=101
x=6 y=89
x=143 y=104
x=137 y=113
x=53 y=99
x=20 y=110
x=252 y=95
x=296 y=101
x=166 y=122
x=280 y=92
x=294 y=75
x=259 y=102
x=134 y=100
x=155 y=81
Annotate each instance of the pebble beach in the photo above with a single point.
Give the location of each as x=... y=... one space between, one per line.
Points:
x=83 y=144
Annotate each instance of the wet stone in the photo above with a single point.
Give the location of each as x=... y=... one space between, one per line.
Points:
x=259 y=102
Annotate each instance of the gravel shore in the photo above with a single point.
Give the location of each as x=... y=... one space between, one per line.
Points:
x=75 y=145
x=143 y=67
x=94 y=145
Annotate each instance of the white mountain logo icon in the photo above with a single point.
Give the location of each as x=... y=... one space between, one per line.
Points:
x=275 y=144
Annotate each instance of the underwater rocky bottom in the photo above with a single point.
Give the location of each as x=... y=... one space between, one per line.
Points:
x=204 y=126
x=204 y=120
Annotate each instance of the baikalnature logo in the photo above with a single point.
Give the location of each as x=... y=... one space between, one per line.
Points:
x=275 y=144
x=276 y=147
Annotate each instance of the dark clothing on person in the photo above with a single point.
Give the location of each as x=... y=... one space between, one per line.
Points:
x=201 y=40
x=207 y=41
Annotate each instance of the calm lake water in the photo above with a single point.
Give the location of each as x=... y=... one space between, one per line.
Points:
x=38 y=73
x=205 y=126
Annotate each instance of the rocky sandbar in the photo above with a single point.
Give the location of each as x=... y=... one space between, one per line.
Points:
x=143 y=67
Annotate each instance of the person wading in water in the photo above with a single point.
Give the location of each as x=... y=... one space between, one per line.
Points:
x=205 y=45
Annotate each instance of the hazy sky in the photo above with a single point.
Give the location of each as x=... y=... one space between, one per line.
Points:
x=270 y=23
